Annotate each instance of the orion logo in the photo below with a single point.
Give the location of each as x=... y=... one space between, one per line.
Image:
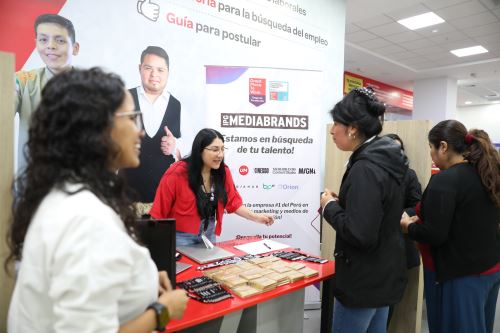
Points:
x=283 y=187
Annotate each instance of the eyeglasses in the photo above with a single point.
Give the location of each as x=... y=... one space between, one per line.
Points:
x=216 y=150
x=135 y=116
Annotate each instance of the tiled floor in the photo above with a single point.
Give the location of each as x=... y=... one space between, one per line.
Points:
x=312 y=320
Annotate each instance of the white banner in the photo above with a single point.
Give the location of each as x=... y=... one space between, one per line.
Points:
x=290 y=54
x=270 y=120
x=195 y=33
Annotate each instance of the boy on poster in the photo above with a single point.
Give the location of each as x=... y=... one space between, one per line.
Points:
x=56 y=44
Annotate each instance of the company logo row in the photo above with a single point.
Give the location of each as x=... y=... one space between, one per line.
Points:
x=245 y=170
x=264 y=186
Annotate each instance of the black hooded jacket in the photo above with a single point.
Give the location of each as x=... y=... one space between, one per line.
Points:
x=370 y=263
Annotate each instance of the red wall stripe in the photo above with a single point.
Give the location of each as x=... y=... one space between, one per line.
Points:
x=16 y=25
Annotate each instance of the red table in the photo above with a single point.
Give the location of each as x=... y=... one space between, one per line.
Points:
x=197 y=312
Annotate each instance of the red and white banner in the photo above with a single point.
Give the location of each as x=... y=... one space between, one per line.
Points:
x=397 y=100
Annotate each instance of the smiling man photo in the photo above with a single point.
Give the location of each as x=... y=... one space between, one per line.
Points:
x=56 y=44
x=161 y=114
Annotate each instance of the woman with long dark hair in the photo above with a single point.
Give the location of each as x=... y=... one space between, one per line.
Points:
x=196 y=191
x=370 y=264
x=81 y=268
x=457 y=227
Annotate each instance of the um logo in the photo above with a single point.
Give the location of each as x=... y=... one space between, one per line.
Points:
x=267 y=187
x=243 y=170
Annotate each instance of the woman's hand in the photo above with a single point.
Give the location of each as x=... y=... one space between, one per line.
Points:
x=164 y=282
x=248 y=214
x=406 y=220
x=264 y=219
x=327 y=196
x=174 y=299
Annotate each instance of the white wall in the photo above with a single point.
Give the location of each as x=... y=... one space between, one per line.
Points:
x=434 y=99
x=485 y=117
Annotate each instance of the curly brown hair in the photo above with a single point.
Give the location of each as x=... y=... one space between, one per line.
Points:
x=70 y=142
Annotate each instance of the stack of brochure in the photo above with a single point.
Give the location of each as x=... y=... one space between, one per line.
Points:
x=245 y=291
x=263 y=283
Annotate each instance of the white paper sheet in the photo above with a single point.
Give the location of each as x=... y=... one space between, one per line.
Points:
x=261 y=246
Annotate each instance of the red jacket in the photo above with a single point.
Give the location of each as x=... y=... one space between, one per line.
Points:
x=175 y=199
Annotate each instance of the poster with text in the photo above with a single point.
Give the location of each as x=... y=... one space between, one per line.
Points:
x=270 y=119
x=288 y=60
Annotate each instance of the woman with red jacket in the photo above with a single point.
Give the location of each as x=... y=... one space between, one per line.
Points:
x=198 y=189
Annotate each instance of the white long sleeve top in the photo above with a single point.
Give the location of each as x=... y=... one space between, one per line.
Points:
x=80 y=270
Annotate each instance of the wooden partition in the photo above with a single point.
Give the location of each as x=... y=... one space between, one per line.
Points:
x=6 y=173
x=407 y=315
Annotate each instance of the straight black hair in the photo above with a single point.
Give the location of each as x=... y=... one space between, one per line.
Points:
x=195 y=164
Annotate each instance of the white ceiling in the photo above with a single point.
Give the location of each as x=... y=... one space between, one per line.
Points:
x=380 y=48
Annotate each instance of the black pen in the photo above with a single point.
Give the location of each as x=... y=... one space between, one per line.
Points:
x=267 y=246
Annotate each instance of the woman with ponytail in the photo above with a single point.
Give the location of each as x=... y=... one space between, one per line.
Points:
x=458 y=225
x=370 y=263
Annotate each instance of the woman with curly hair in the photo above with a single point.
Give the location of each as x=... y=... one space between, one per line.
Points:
x=457 y=228
x=81 y=268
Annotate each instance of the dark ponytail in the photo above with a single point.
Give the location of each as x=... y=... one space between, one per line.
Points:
x=476 y=147
x=483 y=155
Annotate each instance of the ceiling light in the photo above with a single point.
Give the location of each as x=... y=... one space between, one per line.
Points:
x=468 y=51
x=421 y=21
x=468 y=102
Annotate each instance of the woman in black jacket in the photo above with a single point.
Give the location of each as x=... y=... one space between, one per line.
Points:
x=413 y=195
x=370 y=264
x=458 y=224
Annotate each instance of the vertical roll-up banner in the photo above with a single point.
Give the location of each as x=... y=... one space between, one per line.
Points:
x=272 y=148
x=263 y=72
